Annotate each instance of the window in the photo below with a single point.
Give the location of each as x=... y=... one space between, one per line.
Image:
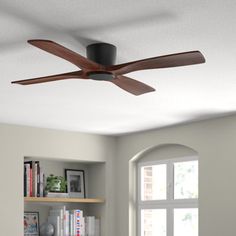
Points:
x=168 y=198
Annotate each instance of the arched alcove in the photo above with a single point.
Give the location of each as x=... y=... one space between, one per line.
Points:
x=154 y=153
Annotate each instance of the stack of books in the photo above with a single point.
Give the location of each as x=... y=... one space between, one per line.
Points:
x=72 y=222
x=34 y=179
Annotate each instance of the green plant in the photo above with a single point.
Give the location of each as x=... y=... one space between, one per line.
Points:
x=56 y=184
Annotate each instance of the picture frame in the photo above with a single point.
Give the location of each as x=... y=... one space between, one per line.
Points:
x=75 y=183
x=31 y=224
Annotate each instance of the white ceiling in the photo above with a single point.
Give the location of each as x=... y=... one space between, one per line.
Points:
x=139 y=29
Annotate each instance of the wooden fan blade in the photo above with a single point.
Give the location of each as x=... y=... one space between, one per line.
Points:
x=132 y=86
x=172 y=60
x=70 y=75
x=65 y=53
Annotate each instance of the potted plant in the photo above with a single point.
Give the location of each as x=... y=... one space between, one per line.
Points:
x=56 y=184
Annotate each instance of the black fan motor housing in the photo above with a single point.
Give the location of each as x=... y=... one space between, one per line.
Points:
x=102 y=53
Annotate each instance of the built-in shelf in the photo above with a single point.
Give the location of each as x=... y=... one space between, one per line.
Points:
x=65 y=200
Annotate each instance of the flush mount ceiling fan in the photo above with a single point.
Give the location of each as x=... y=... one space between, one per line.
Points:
x=99 y=65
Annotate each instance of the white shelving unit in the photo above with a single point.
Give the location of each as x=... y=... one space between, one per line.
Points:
x=93 y=204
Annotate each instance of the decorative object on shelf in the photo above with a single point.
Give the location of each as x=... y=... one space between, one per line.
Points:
x=31 y=224
x=56 y=184
x=75 y=183
x=47 y=229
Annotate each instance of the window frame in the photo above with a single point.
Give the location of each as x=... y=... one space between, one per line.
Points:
x=170 y=203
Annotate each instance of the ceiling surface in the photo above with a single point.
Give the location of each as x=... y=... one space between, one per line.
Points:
x=139 y=29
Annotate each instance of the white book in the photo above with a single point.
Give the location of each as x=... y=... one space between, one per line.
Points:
x=71 y=216
x=55 y=221
x=82 y=226
x=67 y=222
x=75 y=223
x=78 y=216
x=72 y=224
x=41 y=182
x=34 y=178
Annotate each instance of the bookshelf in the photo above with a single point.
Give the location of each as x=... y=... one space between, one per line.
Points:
x=92 y=205
x=63 y=200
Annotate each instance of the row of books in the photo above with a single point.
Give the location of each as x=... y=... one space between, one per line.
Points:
x=34 y=179
x=72 y=222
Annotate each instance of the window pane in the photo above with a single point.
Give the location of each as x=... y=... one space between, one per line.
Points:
x=153 y=222
x=186 y=222
x=153 y=182
x=186 y=180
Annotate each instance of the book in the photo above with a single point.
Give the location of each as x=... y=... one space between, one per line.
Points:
x=34 y=178
x=41 y=182
x=82 y=226
x=71 y=229
x=25 y=182
x=67 y=223
x=38 y=180
x=78 y=215
x=29 y=178
x=27 y=186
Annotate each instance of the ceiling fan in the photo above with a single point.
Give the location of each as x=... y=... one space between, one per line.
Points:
x=99 y=65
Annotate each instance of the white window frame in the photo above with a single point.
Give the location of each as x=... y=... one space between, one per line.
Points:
x=170 y=203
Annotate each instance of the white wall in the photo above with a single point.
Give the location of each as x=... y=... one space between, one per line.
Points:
x=215 y=142
x=18 y=141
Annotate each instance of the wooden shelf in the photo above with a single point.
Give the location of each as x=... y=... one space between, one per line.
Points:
x=65 y=200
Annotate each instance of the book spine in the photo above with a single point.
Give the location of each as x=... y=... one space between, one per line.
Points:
x=58 y=220
x=33 y=179
x=64 y=221
x=74 y=227
x=67 y=224
x=41 y=185
x=71 y=224
x=82 y=226
x=25 y=182
x=35 y=185
x=38 y=180
x=78 y=216
x=29 y=179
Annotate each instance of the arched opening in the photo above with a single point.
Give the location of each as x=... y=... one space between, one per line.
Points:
x=150 y=154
